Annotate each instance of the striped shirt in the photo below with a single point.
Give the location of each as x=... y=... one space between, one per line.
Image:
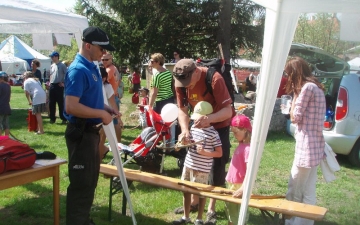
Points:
x=162 y=81
x=211 y=139
x=309 y=112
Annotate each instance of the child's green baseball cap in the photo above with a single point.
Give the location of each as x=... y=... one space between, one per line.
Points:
x=202 y=108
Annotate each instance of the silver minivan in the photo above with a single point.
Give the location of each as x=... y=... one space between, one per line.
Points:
x=342 y=118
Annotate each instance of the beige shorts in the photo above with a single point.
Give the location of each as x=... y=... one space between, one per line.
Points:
x=195 y=176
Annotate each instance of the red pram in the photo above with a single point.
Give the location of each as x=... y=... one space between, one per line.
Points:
x=150 y=147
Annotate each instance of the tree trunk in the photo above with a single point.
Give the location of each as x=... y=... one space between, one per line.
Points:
x=224 y=32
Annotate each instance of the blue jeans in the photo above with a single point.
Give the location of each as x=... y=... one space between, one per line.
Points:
x=117 y=101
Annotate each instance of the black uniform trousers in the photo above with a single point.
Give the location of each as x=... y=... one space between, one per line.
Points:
x=83 y=169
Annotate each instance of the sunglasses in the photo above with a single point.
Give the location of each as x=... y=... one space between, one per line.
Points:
x=285 y=73
x=104 y=59
x=101 y=49
x=152 y=61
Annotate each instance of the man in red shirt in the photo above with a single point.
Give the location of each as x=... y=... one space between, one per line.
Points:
x=136 y=80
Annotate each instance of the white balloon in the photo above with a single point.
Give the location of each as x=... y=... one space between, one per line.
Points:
x=169 y=112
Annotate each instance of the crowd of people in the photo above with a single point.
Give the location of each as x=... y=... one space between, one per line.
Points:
x=78 y=92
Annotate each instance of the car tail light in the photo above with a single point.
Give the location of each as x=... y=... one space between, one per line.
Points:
x=342 y=106
x=327 y=124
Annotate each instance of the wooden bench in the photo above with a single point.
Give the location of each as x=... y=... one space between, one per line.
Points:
x=278 y=206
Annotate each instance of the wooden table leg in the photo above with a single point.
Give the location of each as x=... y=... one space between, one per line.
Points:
x=56 y=197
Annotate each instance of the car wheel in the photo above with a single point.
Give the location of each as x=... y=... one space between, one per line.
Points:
x=354 y=156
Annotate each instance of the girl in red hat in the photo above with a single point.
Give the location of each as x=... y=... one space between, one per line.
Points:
x=241 y=128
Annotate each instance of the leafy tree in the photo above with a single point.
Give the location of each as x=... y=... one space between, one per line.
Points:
x=323 y=31
x=68 y=53
x=26 y=38
x=139 y=28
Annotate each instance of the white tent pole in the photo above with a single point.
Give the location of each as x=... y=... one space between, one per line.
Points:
x=279 y=31
x=111 y=136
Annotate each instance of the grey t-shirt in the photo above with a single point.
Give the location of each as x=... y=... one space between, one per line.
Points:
x=57 y=72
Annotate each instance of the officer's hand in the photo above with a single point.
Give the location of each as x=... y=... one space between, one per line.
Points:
x=106 y=118
x=112 y=111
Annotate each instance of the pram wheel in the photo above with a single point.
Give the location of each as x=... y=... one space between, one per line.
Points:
x=180 y=163
x=149 y=163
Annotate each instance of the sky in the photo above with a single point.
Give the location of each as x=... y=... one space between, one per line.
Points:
x=61 y=5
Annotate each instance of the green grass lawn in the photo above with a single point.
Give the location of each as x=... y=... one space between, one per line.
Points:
x=32 y=203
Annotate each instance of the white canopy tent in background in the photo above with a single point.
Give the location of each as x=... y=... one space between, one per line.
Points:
x=14 y=65
x=280 y=24
x=14 y=47
x=244 y=63
x=23 y=17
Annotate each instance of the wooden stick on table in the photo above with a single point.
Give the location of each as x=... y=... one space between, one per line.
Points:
x=229 y=192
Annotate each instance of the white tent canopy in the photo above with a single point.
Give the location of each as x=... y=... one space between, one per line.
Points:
x=244 y=63
x=22 y=17
x=14 y=47
x=280 y=24
x=14 y=65
x=355 y=64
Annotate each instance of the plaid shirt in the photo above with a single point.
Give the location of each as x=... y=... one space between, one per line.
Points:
x=308 y=115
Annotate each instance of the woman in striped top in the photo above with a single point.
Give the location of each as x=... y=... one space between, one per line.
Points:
x=161 y=88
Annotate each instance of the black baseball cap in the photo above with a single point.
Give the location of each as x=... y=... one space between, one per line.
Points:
x=96 y=36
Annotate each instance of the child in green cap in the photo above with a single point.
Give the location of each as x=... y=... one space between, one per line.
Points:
x=199 y=159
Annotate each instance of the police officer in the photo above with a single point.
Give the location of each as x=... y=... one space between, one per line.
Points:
x=84 y=108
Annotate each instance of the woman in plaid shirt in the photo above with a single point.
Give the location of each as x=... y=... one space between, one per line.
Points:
x=307 y=112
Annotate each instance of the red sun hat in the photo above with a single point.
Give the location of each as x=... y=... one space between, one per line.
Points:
x=241 y=121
